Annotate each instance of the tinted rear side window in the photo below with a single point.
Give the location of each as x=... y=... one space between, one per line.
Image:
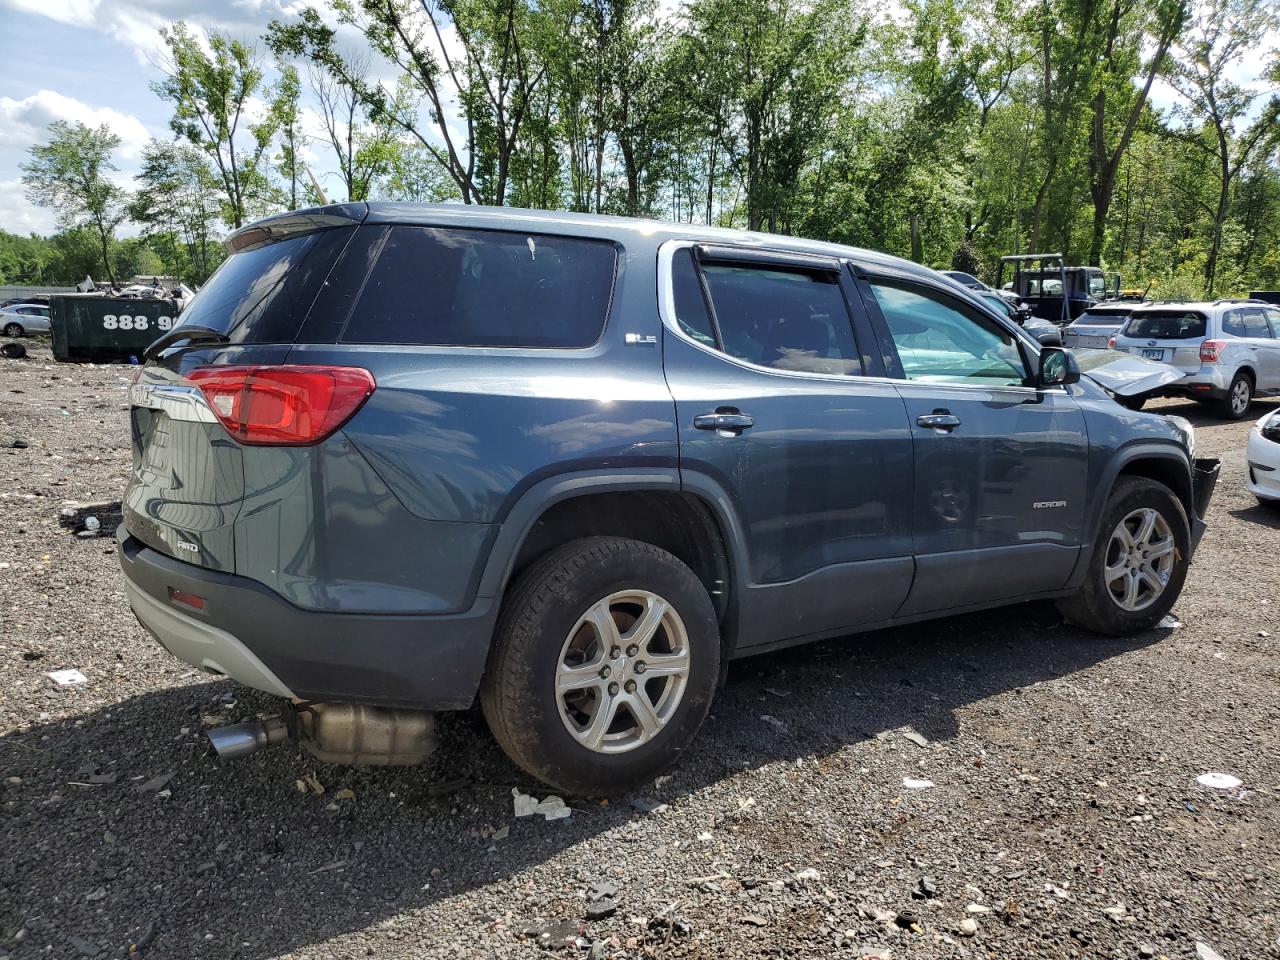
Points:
x=787 y=319
x=261 y=295
x=484 y=288
x=1166 y=325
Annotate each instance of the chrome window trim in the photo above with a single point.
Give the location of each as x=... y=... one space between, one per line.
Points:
x=667 y=314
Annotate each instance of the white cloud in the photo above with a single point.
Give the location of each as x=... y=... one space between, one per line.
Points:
x=20 y=217
x=26 y=122
x=137 y=23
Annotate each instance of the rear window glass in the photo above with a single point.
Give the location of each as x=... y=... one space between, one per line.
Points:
x=1166 y=325
x=691 y=306
x=1107 y=318
x=484 y=288
x=261 y=295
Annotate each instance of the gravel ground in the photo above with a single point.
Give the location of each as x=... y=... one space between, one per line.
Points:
x=1065 y=820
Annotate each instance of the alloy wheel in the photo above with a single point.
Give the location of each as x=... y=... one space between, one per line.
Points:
x=1140 y=557
x=622 y=672
x=1241 y=394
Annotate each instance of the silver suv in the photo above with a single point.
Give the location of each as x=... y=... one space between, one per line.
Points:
x=1228 y=351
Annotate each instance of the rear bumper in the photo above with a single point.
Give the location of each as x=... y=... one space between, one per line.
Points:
x=253 y=635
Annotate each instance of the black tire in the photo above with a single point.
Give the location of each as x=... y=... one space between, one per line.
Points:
x=1095 y=607
x=1132 y=403
x=519 y=692
x=1229 y=406
x=13 y=330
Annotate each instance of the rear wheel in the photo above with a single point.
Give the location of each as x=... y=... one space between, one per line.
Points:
x=604 y=665
x=13 y=330
x=1239 y=395
x=1139 y=562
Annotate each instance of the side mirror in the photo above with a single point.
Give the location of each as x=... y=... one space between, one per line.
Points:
x=1057 y=368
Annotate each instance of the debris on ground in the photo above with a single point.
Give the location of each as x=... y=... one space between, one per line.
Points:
x=919 y=739
x=13 y=351
x=912 y=784
x=309 y=784
x=648 y=805
x=601 y=909
x=1218 y=781
x=67 y=678
x=96 y=518
x=156 y=783
x=1206 y=952
x=551 y=808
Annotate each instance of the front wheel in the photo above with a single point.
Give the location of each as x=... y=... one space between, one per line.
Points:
x=13 y=330
x=1139 y=562
x=604 y=664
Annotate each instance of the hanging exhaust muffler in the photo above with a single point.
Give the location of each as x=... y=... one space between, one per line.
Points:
x=337 y=733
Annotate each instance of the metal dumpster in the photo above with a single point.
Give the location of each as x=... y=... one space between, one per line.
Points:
x=107 y=329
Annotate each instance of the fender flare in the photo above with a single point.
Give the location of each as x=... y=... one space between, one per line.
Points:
x=519 y=520
x=1129 y=453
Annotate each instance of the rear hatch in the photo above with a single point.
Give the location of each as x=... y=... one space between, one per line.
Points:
x=1094 y=328
x=188 y=485
x=1166 y=335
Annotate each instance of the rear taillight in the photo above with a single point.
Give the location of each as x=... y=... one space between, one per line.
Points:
x=1210 y=350
x=284 y=405
x=1111 y=343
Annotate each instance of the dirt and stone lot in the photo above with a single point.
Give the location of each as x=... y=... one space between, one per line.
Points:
x=1065 y=818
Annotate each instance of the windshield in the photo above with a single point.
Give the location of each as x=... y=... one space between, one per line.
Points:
x=1166 y=325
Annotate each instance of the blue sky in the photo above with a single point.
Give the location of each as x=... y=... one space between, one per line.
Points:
x=94 y=60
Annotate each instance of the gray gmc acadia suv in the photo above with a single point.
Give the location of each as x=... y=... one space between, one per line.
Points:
x=398 y=457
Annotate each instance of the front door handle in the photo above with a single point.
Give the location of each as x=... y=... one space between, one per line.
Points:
x=727 y=422
x=938 y=421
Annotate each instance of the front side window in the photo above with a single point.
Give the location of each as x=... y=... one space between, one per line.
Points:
x=788 y=319
x=939 y=343
x=484 y=288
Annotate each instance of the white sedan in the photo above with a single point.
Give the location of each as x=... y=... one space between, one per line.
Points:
x=1263 y=458
x=21 y=319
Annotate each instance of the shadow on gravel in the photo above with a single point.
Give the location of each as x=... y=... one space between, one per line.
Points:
x=1203 y=415
x=237 y=863
x=1267 y=515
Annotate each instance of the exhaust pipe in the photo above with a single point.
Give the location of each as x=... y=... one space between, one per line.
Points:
x=242 y=739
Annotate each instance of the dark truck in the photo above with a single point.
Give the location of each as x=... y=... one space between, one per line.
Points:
x=398 y=457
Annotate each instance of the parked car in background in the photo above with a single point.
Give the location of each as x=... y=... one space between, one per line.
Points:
x=24 y=319
x=1094 y=328
x=598 y=459
x=1228 y=351
x=1262 y=459
x=1047 y=333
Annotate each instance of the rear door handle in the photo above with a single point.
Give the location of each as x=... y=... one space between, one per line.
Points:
x=728 y=422
x=938 y=421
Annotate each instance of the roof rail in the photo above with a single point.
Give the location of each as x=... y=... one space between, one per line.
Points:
x=1237 y=300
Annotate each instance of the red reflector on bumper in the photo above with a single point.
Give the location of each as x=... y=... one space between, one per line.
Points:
x=186 y=599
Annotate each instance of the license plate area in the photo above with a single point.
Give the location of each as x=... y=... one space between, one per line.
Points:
x=1152 y=354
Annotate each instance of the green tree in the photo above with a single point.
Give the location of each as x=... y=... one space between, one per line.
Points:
x=176 y=204
x=1216 y=110
x=212 y=92
x=71 y=174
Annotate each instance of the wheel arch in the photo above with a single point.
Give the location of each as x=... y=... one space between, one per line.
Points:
x=694 y=524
